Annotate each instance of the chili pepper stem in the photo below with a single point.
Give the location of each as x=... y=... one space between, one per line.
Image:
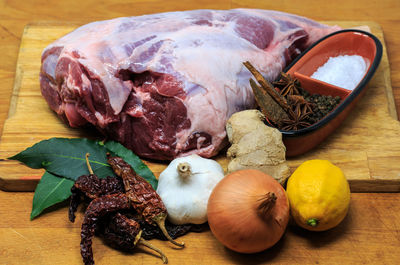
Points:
x=150 y=246
x=160 y=221
x=88 y=164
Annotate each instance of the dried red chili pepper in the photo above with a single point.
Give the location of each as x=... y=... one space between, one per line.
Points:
x=175 y=231
x=96 y=209
x=92 y=187
x=127 y=234
x=154 y=232
x=143 y=197
x=74 y=202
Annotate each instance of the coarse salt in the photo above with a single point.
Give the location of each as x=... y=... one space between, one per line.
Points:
x=344 y=71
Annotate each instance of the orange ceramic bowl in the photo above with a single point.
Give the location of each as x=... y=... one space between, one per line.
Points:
x=344 y=42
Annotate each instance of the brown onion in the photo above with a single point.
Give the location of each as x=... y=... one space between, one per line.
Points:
x=248 y=211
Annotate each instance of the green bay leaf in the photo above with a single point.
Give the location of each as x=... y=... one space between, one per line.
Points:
x=50 y=191
x=66 y=157
x=64 y=161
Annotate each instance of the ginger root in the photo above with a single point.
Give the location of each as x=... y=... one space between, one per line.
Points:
x=256 y=145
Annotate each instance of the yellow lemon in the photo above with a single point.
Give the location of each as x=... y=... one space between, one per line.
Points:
x=319 y=195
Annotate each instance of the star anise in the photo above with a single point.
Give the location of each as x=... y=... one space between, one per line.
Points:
x=294 y=100
x=288 y=109
x=298 y=118
x=287 y=85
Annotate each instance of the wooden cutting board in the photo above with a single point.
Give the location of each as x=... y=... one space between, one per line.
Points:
x=366 y=146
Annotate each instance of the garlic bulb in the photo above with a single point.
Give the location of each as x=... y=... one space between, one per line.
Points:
x=185 y=186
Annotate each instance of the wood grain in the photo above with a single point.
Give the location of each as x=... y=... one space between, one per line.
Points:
x=368 y=235
x=358 y=147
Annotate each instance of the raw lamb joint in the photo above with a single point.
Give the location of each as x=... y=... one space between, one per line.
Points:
x=165 y=84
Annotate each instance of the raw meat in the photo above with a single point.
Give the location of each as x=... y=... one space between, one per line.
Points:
x=165 y=84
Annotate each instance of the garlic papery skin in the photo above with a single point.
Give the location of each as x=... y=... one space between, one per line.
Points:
x=185 y=186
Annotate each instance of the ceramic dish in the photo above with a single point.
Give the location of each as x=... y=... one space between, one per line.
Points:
x=345 y=42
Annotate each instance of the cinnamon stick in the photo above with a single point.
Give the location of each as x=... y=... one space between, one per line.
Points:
x=271 y=110
x=272 y=104
x=267 y=86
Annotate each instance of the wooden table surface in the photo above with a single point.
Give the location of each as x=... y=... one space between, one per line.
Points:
x=370 y=234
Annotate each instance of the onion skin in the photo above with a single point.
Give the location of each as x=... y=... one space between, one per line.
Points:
x=234 y=217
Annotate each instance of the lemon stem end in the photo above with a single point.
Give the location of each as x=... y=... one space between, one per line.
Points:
x=312 y=222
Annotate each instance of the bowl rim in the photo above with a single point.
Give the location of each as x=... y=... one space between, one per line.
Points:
x=356 y=91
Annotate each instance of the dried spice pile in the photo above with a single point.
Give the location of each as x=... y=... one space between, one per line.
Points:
x=286 y=104
x=321 y=105
x=126 y=211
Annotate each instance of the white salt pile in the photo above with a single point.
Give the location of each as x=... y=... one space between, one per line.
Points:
x=344 y=71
